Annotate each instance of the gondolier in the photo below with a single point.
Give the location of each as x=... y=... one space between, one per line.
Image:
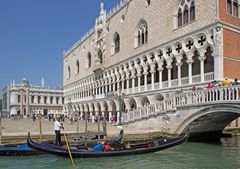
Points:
x=57 y=128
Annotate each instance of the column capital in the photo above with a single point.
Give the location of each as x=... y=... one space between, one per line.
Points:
x=202 y=58
x=179 y=64
x=169 y=66
x=190 y=61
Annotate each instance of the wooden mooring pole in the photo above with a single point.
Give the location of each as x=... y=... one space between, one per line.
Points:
x=0 y=127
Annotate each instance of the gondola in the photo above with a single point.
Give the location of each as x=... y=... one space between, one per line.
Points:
x=119 y=149
x=17 y=150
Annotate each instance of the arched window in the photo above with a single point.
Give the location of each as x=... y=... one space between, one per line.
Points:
x=99 y=56
x=192 y=11
x=148 y=2
x=185 y=15
x=229 y=6
x=235 y=8
x=142 y=33
x=69 y=72
x=77 y=66
x=89 y=60
x=39 y=99
x=209 y=61
x=179 y=17
x=116 y=43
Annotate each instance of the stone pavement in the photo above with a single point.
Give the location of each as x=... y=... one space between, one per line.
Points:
x=22 y=127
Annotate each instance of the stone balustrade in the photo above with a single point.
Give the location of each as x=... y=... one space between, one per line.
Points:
x=175 y=101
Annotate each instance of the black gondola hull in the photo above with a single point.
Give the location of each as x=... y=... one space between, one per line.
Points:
x=18 y=150
x=157 y=145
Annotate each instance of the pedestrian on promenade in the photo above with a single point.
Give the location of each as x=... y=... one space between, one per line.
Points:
x=57 y=128
x=235 y=83
x=226 y=82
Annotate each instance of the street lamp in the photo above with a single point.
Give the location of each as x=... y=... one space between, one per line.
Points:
x=69 y=106
x=120 y=98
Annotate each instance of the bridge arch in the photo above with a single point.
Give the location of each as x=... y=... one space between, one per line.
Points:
x=211 y=119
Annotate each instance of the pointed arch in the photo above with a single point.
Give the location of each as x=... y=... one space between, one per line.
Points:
x=174 y=69
x=141 y=36
x=179 y=17
x=116 y=43
x=235 y=8
x=99 y=56
x=184 y=67
x=229 y=6
x=77 y=67
x=185 y=14
x=69 y=72
x=192 y=11
x=209 y=61
x=89 y=60
x=196 y=64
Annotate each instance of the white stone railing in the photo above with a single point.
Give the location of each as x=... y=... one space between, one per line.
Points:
x=185 y=98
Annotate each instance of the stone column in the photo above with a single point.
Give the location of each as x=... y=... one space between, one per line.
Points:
x=133 y=83
x=21 y=102
x=179 y=74
x=48 y=99
x=95 y=89
x=35 y=99
x=139 y=83
x=127 y=75
x=145 y=79
x=118 y=85
x=127 y=84
x=160 y=78
x=160 y=69
x=202 y=68
x=132 y=69
x=190 y=70
x=218 y=52
x=41 y=99
x=110 y=116
x=169 y=67
x=27 y=102
x=122 y=84
x=102 y=87
x=13 y=97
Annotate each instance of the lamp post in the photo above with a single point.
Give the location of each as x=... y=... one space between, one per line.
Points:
x=77 y=122
x=120 y=98
x=69 y=106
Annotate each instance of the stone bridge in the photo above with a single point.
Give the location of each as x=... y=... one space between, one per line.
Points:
x=198 y=112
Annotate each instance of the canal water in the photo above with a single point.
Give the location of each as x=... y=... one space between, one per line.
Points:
x=222 y=154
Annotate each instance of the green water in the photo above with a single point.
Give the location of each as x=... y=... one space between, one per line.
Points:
x=224 y=154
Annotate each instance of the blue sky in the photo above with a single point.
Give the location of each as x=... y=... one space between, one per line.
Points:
x=34 y=34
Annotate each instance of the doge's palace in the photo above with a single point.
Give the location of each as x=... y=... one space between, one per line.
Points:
x=143 y=50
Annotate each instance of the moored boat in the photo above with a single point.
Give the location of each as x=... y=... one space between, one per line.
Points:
x=17 y=150
x=118 y=149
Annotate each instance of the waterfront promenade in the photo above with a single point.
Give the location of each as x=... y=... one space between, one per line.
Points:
x=11 y=128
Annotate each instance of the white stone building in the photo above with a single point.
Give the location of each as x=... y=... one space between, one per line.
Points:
x=25 y=99
x=142 y=50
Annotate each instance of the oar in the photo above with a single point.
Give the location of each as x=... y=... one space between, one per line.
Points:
x=69 y=151
x=40 y=126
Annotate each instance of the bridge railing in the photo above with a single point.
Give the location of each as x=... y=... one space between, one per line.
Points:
x=184 y=98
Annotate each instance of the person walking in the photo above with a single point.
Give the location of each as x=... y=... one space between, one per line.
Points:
x=57 y=128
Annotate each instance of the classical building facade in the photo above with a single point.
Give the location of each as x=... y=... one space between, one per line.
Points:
x=26 y=99
x=142 y=50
